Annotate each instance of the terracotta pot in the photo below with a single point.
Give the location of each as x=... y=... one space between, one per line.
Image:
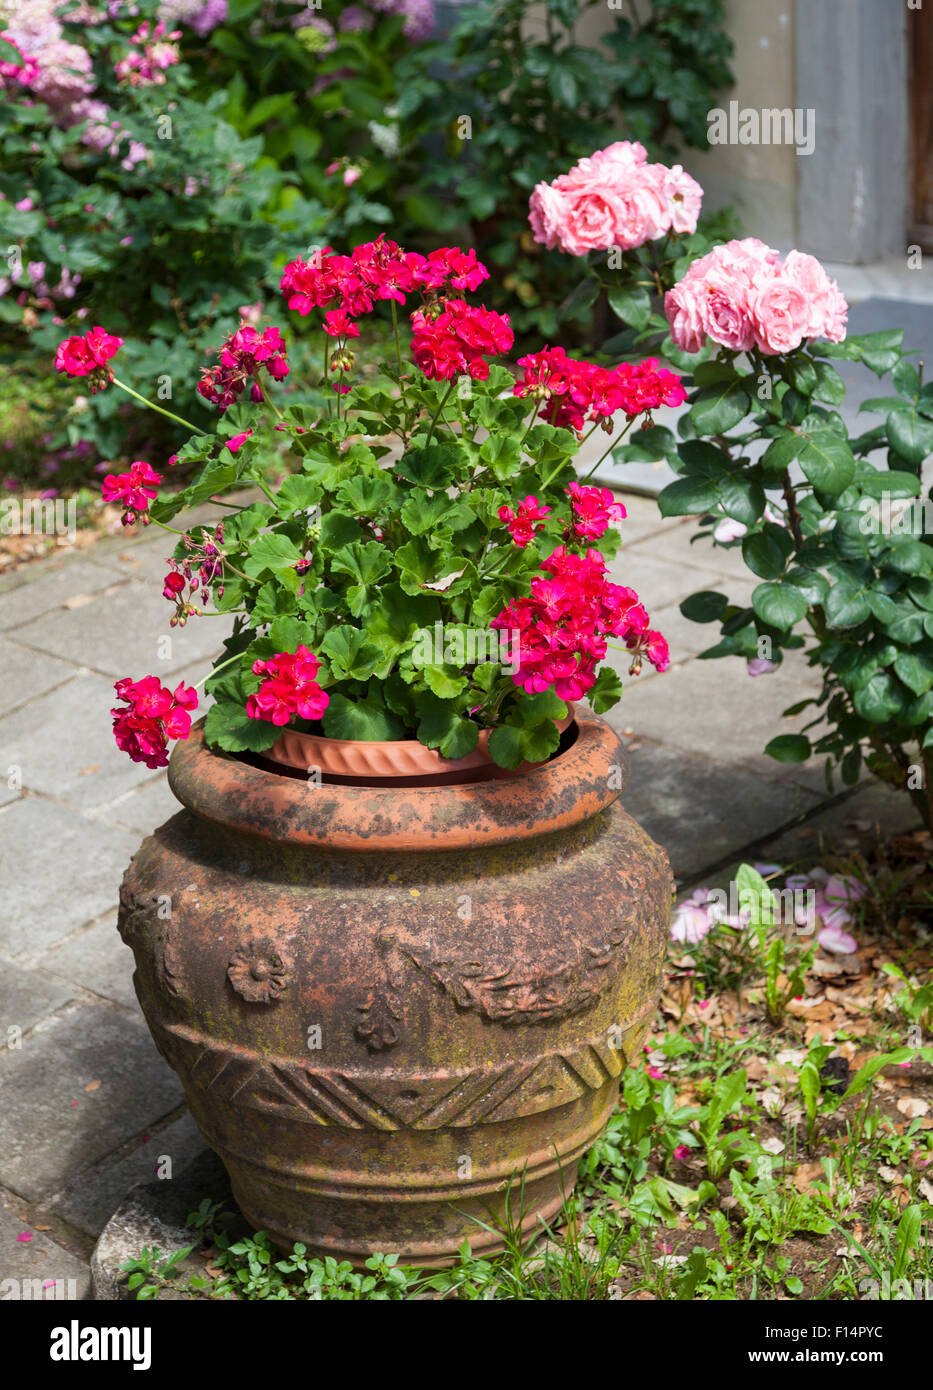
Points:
x=384 y=1002
x=395 y=763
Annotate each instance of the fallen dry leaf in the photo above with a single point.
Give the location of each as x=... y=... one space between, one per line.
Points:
x=913 y=1107
x=807 y=1174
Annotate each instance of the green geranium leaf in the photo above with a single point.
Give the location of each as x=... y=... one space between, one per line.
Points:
x=506 y=746
x=606 y=690
x=444 y=680
x=229 y=727
x=276 y=555
x=360 y=719
x=339 y=529
x=435 y=467
x=349 y=654
x=442 y=726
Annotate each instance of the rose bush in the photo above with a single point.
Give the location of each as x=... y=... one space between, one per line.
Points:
x=539 y=96
x=835 y=529
x=430 y=567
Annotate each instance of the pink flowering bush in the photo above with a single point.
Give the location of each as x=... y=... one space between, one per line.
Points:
x=434 y=567
x=123 y=201
x=765 y=460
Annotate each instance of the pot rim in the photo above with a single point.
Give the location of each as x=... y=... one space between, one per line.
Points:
x=255 y=801
x=384 y=762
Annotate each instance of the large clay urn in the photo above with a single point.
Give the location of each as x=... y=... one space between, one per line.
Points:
x=385 y=1002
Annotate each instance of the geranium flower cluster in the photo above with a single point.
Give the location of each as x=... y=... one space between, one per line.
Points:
x=289 y=687
x=199 y=570
x=377 y=270
x=563 y=625
x=88 y=356
x=243 y=355
x=454 y=341
x=156 y=49
x=614 y=198
x=742 y=295
x=135 y=490
x=595 y=509
x=450 y=335
x=150 y=716
x=574 y=392
x=526 y=521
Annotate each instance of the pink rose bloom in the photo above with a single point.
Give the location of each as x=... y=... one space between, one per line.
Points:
x=724 y=311
x=684 y=199
x=615 y=162
x=597 y=218
x=780 y=313
x=682 y=308
x=645 y=214
x=828 y=308
x=547 y=213
x=760 y=666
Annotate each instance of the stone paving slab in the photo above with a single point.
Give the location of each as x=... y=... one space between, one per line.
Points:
x=155 y=1213
x=25 y=596
x=97 y=960
x=51 y=1126
x=35 y=1268
x=125 y=632
x=699 y=810
x=841 y=826
x=89 y=1202
x=59 y=871
x=27 y=674
x=715 y=709
x=26 y=997
x=657 y=581
x=87 y=770
x=144 y=809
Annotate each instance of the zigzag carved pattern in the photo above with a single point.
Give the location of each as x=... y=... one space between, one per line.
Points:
x=296 y=1091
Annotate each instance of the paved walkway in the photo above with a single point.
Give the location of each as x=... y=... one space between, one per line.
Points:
x=87 y=1107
